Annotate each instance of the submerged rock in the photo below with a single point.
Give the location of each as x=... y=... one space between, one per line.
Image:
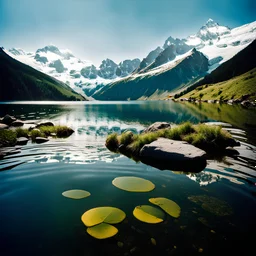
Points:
x=17 y=123
x=212 y=204
x=173 y=155
x=41 y=140
x=7 y=119
x=44 y=124
x=22 y=141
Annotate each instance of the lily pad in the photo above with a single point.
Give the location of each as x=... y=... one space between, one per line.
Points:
x=76 y=194
x=167 y=205
x=133 y=184
x=212 y=204
x=102 y=231
x=148 y=214
x=105 y=214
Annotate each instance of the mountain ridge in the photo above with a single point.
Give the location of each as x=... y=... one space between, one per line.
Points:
x=22 y=82
x=218 y=43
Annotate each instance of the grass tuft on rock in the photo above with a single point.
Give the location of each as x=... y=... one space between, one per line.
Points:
x=207 y=137
x=20 y=132
x=58 y=131
x=7 y=138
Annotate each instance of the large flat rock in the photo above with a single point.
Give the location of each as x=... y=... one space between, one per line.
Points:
x=173 y=155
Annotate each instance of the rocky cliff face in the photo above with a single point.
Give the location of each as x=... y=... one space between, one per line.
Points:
x=149 y=59
x=126 y=67
x=107 y=69
x=89 y=72
x=180 y=46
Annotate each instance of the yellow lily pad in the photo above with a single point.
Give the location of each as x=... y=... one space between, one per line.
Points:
x=148 y=214
x=133 y=184
x=167 y=205
x=76 y=194
x=105 y=214
x=102 y=231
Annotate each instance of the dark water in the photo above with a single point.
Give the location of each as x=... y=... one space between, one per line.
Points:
x=35 y=219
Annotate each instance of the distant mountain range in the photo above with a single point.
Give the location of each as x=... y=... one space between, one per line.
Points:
x=161 y=72
x=22 y=82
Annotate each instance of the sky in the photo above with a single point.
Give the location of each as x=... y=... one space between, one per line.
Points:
x=116 y=29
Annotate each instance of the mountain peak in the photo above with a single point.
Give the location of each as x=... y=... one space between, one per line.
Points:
x=51 y=48
x=211 y=23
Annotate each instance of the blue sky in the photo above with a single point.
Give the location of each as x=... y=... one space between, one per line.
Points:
x=115 y=29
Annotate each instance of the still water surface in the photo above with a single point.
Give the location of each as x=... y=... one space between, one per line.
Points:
x=35 y=219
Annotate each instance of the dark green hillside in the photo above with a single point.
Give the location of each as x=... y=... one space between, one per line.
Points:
x=241 y=63
x=21 y=82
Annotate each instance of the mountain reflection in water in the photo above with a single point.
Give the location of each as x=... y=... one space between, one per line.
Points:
x=37 y=220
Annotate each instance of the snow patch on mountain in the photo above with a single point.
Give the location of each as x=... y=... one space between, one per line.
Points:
x=221 y=43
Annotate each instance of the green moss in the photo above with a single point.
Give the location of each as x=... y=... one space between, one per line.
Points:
x=206 y=137
x=36 y=133
x=20 y=132
x=142 y=139
x=7 y=138
x=112 y=142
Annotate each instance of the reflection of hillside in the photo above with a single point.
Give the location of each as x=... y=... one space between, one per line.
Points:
x=31 y=112
x=143 y=112
x=235 y=115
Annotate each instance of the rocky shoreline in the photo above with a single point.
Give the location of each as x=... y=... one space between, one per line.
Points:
x=12 y=132
x=243 y=102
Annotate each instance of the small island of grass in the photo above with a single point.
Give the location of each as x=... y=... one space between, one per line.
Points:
x=207 y=137
x=10 y=137
x=185 y=142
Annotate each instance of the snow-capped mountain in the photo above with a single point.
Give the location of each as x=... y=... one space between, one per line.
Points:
x=77 y=73
x=218 y=43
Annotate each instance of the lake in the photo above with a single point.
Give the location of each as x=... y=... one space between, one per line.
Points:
x=218 y=204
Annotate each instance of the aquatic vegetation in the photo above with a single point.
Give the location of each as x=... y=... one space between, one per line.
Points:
x=7 y=138
x=148 y=214
x=167 y=205
x=212 y=204
x=133 y=184
x=57 y=130
x=112 y=141
x=36 y=133
x=76 y=194
x=153 y=240
x=102 y=231
x=110 y=215
x=21 y=132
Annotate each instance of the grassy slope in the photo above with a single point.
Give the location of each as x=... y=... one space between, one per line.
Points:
x=234 y=88
x=241 y=63
x=21 y=82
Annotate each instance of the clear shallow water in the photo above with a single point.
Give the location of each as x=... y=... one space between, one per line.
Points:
x=35 y=219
